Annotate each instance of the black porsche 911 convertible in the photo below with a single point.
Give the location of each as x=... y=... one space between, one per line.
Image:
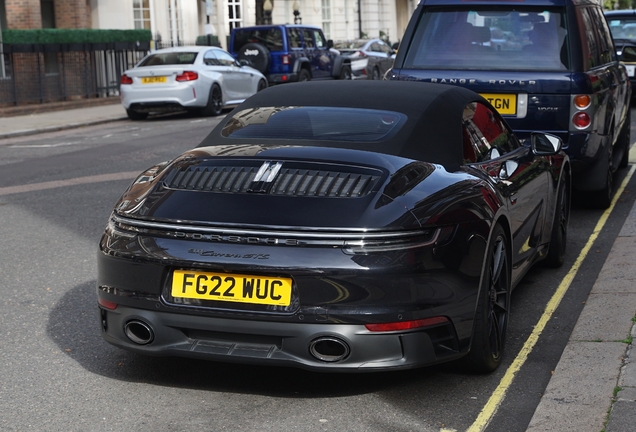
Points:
x=336 y=226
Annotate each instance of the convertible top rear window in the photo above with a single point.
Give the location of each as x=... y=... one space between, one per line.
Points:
x=172 y=58
x=314 y=123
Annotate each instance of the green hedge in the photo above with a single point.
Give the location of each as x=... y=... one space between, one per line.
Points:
x=72 y=36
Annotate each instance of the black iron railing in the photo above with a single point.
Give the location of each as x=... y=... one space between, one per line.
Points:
x=39 y=73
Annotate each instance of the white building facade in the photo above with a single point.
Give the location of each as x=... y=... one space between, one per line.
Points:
x=181 y=21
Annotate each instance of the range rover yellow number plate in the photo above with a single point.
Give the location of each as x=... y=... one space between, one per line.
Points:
x=506 y=104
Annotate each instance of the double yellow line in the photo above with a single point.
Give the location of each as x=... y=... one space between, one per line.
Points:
x=495 y=400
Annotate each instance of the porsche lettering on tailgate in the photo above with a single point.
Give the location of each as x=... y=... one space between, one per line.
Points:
x=232 y=287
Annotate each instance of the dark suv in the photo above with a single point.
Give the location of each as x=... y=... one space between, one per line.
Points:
x=546 y=65
x=622 y=24
x=288 y=53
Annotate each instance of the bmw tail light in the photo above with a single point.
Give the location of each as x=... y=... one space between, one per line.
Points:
x=286 y=59
x=581 y=120
x=125 y=79
x=187 y=76
x=406 y=325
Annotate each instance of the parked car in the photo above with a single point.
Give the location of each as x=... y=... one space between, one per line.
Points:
x=622 y=24
x=336 y=226
x=370 y=58
x=194 y=78
x=561 y=75
x=289 y=53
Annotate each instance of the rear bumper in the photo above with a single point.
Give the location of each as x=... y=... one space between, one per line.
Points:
x=281 y=344
x=282 y=78
x=186 y=96
x=156 y=107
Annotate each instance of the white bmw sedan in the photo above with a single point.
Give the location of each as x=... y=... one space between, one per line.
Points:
x=203 y=79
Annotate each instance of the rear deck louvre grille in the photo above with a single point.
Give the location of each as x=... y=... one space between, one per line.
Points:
x=298 y=182
x=289 y=182
x=212 y=179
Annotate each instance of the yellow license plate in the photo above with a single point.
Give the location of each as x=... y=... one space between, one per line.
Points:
x=505 y=104
x=154 y=80
x=232 y=287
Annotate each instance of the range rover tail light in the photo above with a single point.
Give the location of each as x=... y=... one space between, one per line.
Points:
x=581 y=120
x=582 y=101
x=581 y=113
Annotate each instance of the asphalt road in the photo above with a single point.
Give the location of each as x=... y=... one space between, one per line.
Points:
x=56 y=373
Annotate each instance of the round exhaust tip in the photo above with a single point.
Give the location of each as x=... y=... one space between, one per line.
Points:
x=139 y=332
x=329 y=349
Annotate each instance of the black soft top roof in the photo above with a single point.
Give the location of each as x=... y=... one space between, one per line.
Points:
x=431 y=133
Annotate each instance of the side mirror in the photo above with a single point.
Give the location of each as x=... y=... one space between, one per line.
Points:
x=628 y=54
x=544 y=144
x=330 y=43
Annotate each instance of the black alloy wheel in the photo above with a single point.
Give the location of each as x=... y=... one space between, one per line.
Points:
x=559 y=236
x=215 y=102
x=262 y=85
x=493 y=308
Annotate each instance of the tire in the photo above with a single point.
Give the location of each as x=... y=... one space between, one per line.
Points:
x=304 y=75
x=602 y=199
x=262 y=85
x=559 y=236
x=345 y=73
x=375 y=75
x=257 y=55
x=136 y=115
x=215 y=102
x=624 y=140
x=493 y=308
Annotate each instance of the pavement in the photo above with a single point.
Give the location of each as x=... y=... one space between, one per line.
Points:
x=593 y=387
x=34 y=119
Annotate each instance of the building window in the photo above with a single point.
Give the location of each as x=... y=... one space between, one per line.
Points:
x=326 y=18
x=234 y=13
x=175 y=22
x=47 y=11
x=141 y=14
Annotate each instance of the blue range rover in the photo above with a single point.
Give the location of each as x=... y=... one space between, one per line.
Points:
x=546 y=65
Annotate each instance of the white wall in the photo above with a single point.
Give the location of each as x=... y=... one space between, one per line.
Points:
x=376 y=15
x=118 y=14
